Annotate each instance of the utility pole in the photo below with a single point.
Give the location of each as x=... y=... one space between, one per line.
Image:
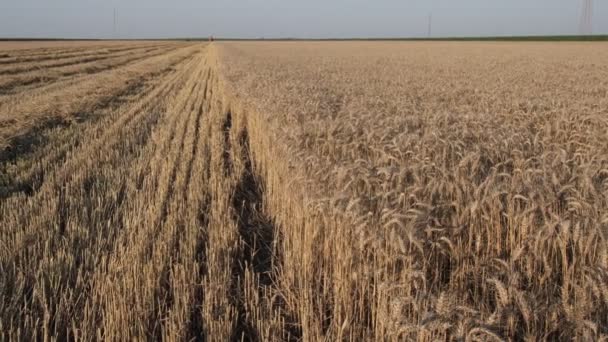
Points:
x=114 y=25
x=430 y=30
x=586 y=20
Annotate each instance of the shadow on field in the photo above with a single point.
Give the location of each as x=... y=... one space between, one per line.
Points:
x=257 y=233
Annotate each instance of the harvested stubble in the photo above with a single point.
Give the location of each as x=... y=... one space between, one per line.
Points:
x=30 y=78
x=14 y=48
x=61 y=60
x=314 y=191
x=66 y=54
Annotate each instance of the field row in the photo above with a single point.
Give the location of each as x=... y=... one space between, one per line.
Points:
x=28 y=78
x=97 y=205
x=137 y=220
x=61 y=95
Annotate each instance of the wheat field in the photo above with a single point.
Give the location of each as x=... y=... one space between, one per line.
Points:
x=304 y=191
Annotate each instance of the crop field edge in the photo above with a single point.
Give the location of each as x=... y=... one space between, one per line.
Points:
x=518 y=38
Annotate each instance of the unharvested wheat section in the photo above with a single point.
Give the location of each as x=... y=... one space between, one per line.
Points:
x=293 y=191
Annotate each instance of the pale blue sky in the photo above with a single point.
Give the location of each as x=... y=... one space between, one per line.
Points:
x=287 y=18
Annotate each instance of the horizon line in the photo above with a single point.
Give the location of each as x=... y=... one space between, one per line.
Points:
x=575 y=37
